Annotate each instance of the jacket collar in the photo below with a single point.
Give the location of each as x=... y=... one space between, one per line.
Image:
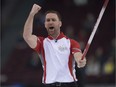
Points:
x=61 y=35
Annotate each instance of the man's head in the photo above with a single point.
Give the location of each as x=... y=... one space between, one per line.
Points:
x=53 y=22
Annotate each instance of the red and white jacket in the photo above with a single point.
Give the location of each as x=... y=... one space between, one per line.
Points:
x=57 y=58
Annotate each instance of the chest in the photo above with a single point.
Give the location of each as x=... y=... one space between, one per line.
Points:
x=61 y=46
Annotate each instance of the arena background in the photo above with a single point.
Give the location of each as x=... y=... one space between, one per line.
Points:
x=20 y=65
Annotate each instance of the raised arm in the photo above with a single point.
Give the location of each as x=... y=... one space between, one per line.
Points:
x=28 y=27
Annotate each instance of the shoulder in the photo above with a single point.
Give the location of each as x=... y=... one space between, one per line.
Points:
x=74 y=41
x=75 y=46
x=40 y=39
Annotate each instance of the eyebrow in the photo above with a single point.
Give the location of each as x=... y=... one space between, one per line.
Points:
x=51 y=19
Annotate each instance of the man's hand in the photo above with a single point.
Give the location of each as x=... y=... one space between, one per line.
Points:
x=80 y=63
x=35 y=9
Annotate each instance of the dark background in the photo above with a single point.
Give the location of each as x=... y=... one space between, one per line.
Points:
x=20 y=65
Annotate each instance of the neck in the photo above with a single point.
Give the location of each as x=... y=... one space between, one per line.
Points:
x=55 y=35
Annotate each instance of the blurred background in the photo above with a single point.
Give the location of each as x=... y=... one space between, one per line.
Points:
x=21 y=66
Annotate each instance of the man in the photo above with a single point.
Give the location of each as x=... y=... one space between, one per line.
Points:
x=57 y=52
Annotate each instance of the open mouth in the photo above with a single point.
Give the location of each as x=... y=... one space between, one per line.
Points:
x=51 y=28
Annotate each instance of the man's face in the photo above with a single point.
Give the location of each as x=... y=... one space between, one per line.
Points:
x=52 y=24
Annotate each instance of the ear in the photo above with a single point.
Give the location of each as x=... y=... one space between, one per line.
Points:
x=60 y=24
